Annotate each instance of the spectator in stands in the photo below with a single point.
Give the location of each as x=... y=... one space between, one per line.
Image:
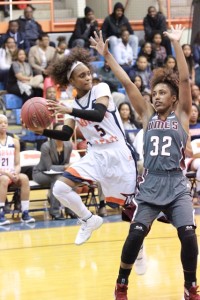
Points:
x=171 y=63
x=29 y=26
x=51 y=93
x=196 y=95
x=10 y=173
x=160 y=51
x=148 y=51
x=61 y=48
x=113 y=26
x=194 y=125
x=196 y=49
x=5 y=10
x=84 y=28
x=106 y=75
x=187 y=50
x=13 y=31
x=6 y=54
x=55 y=156
x=41 y=55
x=129 y=122
x=124 y=53
x=21 y=81
x=155 y=22
x=143 y=69
x=196 y=56
x=139 y=83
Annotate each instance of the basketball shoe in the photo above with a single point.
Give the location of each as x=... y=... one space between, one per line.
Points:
x=87 y=227
x=26 y=218
x=3 y=220
x=140 y=264
x=121 y=291
x=191 y=294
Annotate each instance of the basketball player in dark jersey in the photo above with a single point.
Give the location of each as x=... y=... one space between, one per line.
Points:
x=164 y=187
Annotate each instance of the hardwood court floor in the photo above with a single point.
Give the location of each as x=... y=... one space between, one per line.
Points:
x=44 y=264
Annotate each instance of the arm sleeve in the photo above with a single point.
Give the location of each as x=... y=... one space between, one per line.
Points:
x=62 y=135
x=96 y=115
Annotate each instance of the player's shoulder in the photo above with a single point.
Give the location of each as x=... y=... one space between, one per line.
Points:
x=100 y=85
x=101 y=88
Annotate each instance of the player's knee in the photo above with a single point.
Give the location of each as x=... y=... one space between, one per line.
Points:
x=60 y=189
x=137 y=233
x=23 y=178
x=188 y=240
x=133 y=242
x=4 y=180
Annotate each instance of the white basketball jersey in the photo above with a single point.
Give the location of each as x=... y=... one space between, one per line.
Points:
x=111 y=128
x=7 y=155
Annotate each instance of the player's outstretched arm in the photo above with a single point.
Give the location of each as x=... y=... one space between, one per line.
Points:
x=185 y=100
x=141 y=106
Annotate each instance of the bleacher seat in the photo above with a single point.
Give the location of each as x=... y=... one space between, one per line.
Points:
x=12 y=101
x=17 y=113
x=121 y=90
x=2 y=87
x=97 y=64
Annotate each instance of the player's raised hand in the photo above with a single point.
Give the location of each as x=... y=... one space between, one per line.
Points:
x=98 y=44
x=175 y=33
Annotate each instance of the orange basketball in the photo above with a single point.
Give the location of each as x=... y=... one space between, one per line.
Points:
x=35 y=113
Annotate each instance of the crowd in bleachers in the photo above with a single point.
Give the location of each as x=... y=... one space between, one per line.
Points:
x=26 y=53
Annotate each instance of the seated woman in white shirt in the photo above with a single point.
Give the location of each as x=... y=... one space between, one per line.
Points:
x=123 y=52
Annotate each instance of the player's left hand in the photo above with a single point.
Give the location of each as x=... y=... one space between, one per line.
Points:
x=175 y=33
x=58 y=108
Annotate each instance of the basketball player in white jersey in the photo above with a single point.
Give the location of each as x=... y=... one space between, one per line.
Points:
x=109 y=159
x=10 y=173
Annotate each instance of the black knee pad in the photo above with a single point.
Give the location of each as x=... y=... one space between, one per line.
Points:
x=133 y=242
x=188 y=240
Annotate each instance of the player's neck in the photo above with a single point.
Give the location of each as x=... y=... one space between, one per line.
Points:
x=3 y=138
x=164 y=116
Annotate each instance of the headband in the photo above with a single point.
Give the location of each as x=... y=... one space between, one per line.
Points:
x=74 y=65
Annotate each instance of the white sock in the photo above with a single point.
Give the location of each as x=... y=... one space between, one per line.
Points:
x=25 y=205
x=70 y=199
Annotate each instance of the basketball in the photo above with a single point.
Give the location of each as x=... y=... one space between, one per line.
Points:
x=35 y=113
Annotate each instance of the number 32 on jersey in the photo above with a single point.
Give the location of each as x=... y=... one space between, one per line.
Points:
x=165 y=146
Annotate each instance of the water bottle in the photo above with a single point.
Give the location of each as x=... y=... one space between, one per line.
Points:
x=46 y=211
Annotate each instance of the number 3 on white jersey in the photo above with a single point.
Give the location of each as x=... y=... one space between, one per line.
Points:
x=167 y=141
